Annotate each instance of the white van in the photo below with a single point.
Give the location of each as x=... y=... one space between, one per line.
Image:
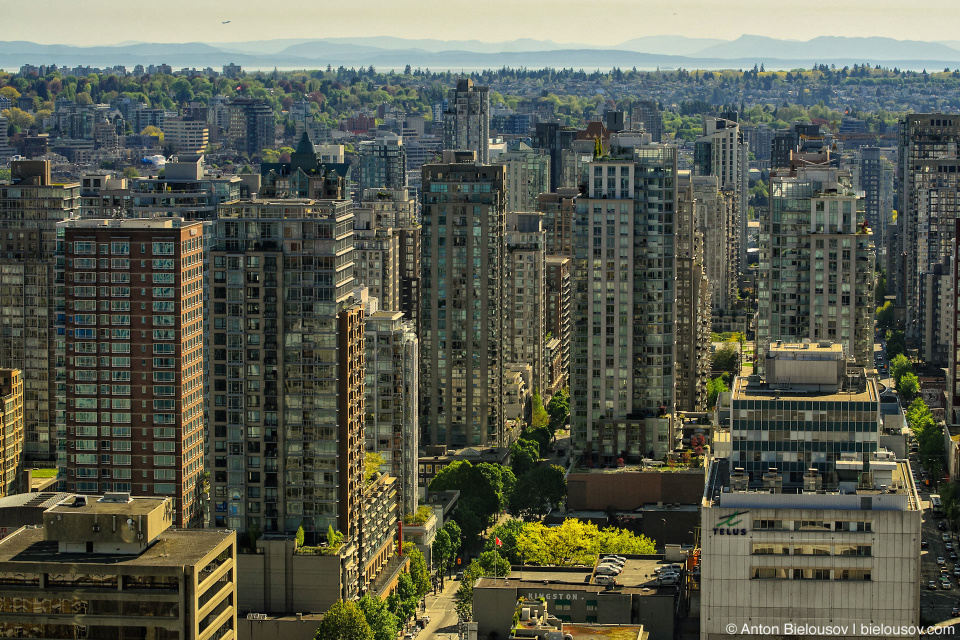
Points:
x=608 y=570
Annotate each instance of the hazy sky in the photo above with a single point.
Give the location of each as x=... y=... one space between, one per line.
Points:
x=593 y=22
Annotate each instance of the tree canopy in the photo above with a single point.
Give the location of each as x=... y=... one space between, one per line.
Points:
x=715 y=387
x=484 y=491
x=899 y=366
x=344 y=621
x=559 y=409
x=909 y=387
x=383 y=624
x=726 y=357
x=577 y=542
x=538 y=491
x=929 y=434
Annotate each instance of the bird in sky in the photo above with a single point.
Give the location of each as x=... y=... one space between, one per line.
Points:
x=225 y=22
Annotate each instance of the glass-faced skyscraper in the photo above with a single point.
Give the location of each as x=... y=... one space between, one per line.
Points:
x=286 y=369
x=461 y=320
x=624 y=306
x=30 y=207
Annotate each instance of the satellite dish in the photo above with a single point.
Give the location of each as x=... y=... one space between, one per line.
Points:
x=130 y=522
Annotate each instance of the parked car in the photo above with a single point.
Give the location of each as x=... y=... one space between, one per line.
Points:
x=942 y=525
x=924 y=544
x=669 y=579
x=945 y=585
x=946 y=536
x=607 y=570
x=932 y=585
x=605 y=580
x=948 y=546
x=953 y=556
x=940 y=560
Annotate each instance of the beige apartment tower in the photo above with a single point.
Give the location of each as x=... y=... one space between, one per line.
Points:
x=11 y=431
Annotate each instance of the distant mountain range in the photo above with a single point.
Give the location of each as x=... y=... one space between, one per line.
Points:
x=647 y=52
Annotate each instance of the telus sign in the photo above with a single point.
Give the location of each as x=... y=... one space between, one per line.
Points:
x=730 y=526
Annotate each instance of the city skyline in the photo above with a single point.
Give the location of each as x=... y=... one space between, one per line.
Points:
x=244 y=21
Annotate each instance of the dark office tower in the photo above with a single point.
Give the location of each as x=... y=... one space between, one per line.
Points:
x=30 y=207
x=929 y=190
x=870 y=175
x=622 y=375
x=133 y=359
x=554 y=139
x=466 y=123
x=252 y=126
x=286 y=369
x=646 y=113
x=613 y=120
x=461 y=322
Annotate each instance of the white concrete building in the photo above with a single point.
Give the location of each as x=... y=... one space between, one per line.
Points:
x=843 y=563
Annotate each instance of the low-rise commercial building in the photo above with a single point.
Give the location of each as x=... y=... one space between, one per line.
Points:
x=575 y=595
x=113 y=568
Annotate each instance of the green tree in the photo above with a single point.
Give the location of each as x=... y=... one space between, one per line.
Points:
x=494 y=564
x=885 y=316
x=403 y=602
x=715 y=387
x=131 y=173
x=418 y=569
x=151 y=130
x=300 y=536
x=559 y=409
x=726 y=357
x=344 y=621
x=442 y=551
x=372 y=462
x=524 y=456
x=507 y=532
x=540 y=419
x=464 y=596
x=382 y=623
x=538 y=491
x=880 y=291
x=484 y=491
x=452 y=530
x=577 y=542
x=919 y=417
x=909 y=387
x=896 y=343
x=899 y=366
x=17 y=118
